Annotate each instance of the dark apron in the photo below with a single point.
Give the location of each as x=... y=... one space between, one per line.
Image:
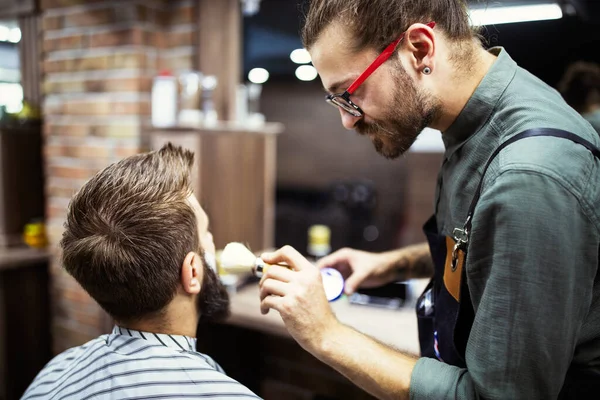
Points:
x=445 y=311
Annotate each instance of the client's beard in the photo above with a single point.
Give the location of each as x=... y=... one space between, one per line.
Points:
x=213 y=301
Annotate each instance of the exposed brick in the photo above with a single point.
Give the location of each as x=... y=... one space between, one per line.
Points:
x=181 y=38
x=101 y=106
x=123 y=152
x=52 y=23
x=82 y=132
x=89 y=18
x=56 y=212
x=87 y=107
x=78 y=296
x=87 y=63
x=151 y=62
x=117 y=85
x=61 y=278
x=131 y=108
x=127 y=60
x=72 y=42
x=152 y=38
x=83 y=151
x=86 y=318
x=67 y=130
x=161 y=41
x=53 y=107
x=48 y=4
x=137 y=84
x=70 y=172
x=163 y=19
x=145 y=84
x=67 y=337
x=90 y=63
x=56 y=87
x=97 y=62
x=182 y=15
x=118 y=131
x=176 y=63
x=57 y=191
x=117 y=37
x=54 y=232
x=49 y=66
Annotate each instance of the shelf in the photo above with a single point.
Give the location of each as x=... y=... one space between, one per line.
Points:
x=268 y=128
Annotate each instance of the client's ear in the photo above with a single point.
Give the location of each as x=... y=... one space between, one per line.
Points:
x=192 y=273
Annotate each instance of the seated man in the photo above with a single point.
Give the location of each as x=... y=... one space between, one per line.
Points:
x=137 y=241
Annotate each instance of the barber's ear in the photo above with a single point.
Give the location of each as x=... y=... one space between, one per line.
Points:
x=192 y=273
x=420 y=41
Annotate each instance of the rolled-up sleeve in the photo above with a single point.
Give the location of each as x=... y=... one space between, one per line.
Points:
x=531 y=266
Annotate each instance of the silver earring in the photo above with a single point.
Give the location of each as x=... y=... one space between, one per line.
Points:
x=427 y=70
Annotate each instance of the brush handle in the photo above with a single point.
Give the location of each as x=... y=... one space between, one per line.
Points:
x=260 y=267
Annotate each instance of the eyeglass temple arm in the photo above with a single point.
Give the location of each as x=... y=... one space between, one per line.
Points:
x=385 y=54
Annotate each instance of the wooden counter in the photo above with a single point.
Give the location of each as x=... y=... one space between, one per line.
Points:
x=395 y=328
x=257 y=350
x=19 y=257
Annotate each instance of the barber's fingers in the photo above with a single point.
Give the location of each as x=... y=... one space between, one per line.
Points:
x=354 y=281
x=271 y=302
x=277 y=272
x=339 y=258
x=288 y=255
x=273 y=287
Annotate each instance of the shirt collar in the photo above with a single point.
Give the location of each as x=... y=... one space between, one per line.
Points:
x=482 y=103
x=176 y=342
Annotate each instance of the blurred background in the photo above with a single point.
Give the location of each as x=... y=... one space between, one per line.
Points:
x=87 y=83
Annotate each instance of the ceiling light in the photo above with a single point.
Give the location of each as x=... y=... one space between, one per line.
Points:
x=306 y=73
x=250 y=7
x=511 y=14
x=300 y=56
x=258 y=75
x=15 y=35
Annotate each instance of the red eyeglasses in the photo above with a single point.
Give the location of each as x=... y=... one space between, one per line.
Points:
x=342 y=100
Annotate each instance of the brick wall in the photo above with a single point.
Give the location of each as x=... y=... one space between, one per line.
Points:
x=99 y=58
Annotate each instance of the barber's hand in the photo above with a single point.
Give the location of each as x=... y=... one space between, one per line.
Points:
x=363 y=269
x=299 y=297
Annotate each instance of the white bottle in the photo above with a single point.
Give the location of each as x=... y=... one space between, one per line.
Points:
x=164 y=100
x=209 y=84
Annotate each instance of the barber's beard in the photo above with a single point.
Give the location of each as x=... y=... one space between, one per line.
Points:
x=397 y=129
x=213 y=300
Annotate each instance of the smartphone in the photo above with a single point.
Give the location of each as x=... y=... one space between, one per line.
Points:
x=390 y=296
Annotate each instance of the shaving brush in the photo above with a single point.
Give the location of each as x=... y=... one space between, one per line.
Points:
x=237 y=258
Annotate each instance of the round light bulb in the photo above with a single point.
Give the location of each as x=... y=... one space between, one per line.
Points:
x=300 y=56
x=306 y=73
x=258 y=75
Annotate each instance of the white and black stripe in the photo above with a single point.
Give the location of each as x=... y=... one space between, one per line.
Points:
x=129 y=364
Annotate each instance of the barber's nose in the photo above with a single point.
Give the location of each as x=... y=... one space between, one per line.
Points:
x=349 y=121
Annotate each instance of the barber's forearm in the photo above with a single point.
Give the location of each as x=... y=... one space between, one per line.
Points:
x=411 y=262
x=379 y=370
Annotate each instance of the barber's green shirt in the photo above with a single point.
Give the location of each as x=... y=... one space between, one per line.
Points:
x=532 y=266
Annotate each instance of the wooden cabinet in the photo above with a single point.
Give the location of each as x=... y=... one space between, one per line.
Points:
x=21 y=182
x=274 y=367
x=234 y=179
x=24 y=318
